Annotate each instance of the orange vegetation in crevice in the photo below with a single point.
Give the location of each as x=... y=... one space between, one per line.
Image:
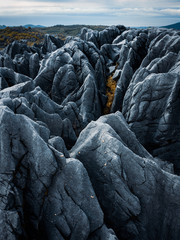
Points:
x=110 y=91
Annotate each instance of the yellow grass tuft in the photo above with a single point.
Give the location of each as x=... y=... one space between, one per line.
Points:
x=110 y=91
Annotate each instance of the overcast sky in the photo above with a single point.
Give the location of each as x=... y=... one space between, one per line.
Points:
x=107 y=12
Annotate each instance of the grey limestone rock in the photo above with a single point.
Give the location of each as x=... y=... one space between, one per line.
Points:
x=17 y=89
x=16 y=48
x=66 y=171
x=58 y=143
x=42 y=189
x=34 y=65
x=117 y=74
x=105 y=36
x=157 y=80
x=75 y=73
x=130 y=185
x=27 y=64
x=6 y=61
x=131 y=54
x=21 y=58
x=10 y=78
x=51 y=44
x=152 y=111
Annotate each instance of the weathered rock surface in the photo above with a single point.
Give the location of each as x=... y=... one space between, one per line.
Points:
x=132 y=50
x=75 y=73
x=21 y=58
x=66 y=171
x=132 y=189
x=103 y=37
x=51 y=44
x=41 y=189
x=153 y=97
x=10 y=78
x=152 y=111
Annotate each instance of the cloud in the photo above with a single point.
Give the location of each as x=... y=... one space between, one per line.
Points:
x=115 y=7
x=21 y=7
x=171 y=11
x=147 y=12
x=12 y=8
x=114 y=10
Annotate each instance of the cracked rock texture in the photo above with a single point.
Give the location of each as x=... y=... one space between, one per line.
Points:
x=66 y=171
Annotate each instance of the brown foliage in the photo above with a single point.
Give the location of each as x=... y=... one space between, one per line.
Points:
x=10 y=34
x=110 y=91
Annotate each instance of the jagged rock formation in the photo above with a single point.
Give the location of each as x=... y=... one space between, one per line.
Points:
x=156 y=109
x=66 y=171
x=103 y=37
x=75 y=73
x=130 y=185
x=51 y=44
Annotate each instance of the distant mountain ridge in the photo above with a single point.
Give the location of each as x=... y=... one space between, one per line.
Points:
x=33 y=26
x=173 y=26
x=62 y=31
x=26 y=26
x=2 y=26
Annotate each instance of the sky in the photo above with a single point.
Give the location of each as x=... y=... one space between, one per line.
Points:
x=130 y=13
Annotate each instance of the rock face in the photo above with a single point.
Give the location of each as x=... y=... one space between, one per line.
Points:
x=51 y=44
x=155 y=108
x=42 y=187
x=103 y=37
x=75 y=73
x=130 y=185
x=66 y=171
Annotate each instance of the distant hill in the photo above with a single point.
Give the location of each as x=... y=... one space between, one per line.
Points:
x=26 y=26
x=62 y=31
x=140 y=27
x=173 y=26
x=2 y=26
x=9 y=34
x=35 y=33
x=33 y=26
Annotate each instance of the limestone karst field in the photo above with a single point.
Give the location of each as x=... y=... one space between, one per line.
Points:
x=90 y=136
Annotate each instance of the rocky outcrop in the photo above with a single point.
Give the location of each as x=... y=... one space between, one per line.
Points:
x=153 y=97
x=131 y=54
x=130 y=185
x=66 y=171
x=10 y=78
x=75 y=73
x=21 y=58
x=41 y=189
x=103 y=37
x=51 y=43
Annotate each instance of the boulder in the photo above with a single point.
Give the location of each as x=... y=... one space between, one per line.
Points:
x=51 y=43
x=151 y=109
x=130 y=185
x=43 y=194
